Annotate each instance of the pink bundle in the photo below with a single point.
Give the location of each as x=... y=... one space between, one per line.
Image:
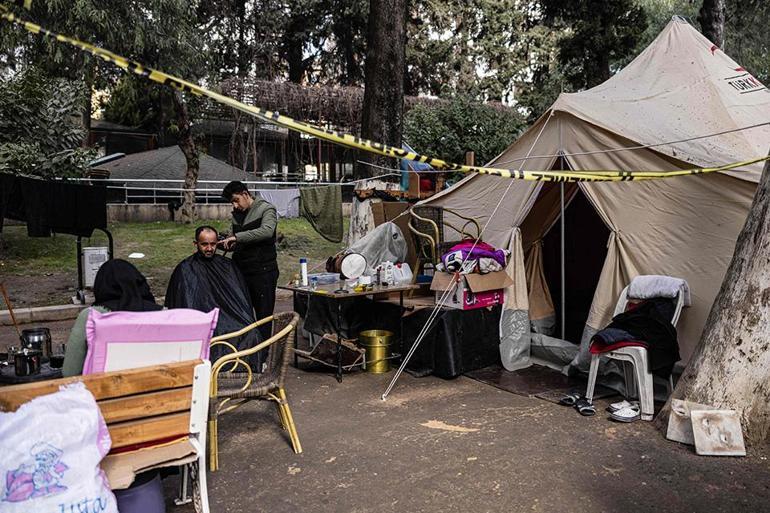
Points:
x=486 y=257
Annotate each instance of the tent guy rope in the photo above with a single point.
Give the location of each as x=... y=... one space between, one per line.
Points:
x=452 y=284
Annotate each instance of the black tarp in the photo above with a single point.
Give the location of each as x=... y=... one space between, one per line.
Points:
x=459 y=341
x=53 y=206
x=357 y=314
x=206 y=283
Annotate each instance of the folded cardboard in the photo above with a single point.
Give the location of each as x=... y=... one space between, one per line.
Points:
x=473 y=290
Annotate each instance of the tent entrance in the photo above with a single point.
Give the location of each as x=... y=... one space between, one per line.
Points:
x=585 y=249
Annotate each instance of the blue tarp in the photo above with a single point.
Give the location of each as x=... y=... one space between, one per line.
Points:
x=408 y=166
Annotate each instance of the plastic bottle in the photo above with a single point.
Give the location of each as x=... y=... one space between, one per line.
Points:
x=389 y=272
x=402 y=274
x=303 y=270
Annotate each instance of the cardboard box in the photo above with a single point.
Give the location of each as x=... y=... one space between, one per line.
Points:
x=473 y=290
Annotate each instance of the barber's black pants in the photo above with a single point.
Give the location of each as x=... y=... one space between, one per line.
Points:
x=262 y=290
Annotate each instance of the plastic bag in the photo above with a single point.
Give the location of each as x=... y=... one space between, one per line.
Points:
x=384 y=243
x=51 y=448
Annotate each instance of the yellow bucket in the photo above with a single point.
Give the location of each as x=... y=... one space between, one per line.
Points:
x=377 y=345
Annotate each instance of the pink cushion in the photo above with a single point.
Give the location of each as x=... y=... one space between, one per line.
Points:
x=124 y=340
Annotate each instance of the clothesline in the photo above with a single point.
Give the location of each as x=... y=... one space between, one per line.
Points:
x=401 y=171
x=632 y=148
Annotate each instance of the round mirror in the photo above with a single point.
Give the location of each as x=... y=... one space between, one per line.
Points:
x=353 y=266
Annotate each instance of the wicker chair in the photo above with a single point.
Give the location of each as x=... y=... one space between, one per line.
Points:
x=427 y=226
x=230 y=389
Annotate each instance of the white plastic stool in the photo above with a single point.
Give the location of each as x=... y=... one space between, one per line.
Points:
x=638 y=380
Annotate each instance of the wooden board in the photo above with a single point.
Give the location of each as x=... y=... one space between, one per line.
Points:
x=106 y=385
x=148 y=430
x=146 y=405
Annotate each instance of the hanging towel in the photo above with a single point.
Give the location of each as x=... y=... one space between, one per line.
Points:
x=322 y=207
x=7 y=184
x=286 y=201
x=651 y=286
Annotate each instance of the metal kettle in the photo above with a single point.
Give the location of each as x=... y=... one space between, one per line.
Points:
x=37 y=338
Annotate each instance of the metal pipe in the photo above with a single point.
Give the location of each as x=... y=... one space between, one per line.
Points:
x=563 y=279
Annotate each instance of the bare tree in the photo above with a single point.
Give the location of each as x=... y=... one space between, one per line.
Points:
x=383 y=110
x=731 y=366
x=712 y=21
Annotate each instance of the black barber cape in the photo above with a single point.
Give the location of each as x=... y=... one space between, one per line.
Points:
x=206 y=283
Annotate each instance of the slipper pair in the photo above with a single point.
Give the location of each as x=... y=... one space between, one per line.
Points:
x=624 y=411
x=581 y=404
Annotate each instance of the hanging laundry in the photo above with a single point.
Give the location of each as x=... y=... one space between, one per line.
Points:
x=54 y=206
x=286 y=201
x=322 y=207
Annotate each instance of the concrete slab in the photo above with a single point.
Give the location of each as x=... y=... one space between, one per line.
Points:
x=717 y=433
x=679 y=422
x=40 y=314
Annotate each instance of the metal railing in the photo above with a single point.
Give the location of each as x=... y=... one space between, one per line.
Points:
x=163 y=191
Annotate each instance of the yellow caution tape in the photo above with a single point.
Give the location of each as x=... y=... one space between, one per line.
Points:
x=352 y=141
x=27 y=4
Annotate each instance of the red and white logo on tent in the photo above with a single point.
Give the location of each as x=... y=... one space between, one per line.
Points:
x=743 y=82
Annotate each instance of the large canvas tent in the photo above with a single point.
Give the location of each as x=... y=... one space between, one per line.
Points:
x=678 y=89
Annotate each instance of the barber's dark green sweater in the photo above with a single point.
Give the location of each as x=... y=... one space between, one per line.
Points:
x=254 y=232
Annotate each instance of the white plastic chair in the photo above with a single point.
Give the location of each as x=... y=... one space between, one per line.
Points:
x=638 y=379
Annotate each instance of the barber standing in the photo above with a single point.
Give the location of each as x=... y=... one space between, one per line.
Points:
x=253 y=244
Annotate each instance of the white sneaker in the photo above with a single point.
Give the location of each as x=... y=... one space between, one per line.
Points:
x=622 y=404
x=628 y=414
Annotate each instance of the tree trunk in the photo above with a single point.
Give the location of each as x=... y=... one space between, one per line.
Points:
x=187 y=213
x=294 y=51
x=731 y=366
x=243 y=57
x=383 y=109
x=88 y=80
x=236 y=151
x=712 y=21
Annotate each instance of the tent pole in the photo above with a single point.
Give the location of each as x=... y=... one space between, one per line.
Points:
x=563 y=280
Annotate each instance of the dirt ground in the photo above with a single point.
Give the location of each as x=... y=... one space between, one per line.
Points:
x=44 y=289
x=458 y=445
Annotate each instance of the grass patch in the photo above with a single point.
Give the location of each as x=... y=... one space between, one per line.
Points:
x=163 y=243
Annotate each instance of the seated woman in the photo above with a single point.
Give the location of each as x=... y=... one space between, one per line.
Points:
x=118 y=286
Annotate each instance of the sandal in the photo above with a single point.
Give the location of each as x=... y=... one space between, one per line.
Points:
x=585 y=408
x=622 y=404
x=628 y=414
x=570 y=399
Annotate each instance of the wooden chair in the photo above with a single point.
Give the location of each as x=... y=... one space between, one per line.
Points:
x=230 y=390
x=156 y=417
x=428 y=225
